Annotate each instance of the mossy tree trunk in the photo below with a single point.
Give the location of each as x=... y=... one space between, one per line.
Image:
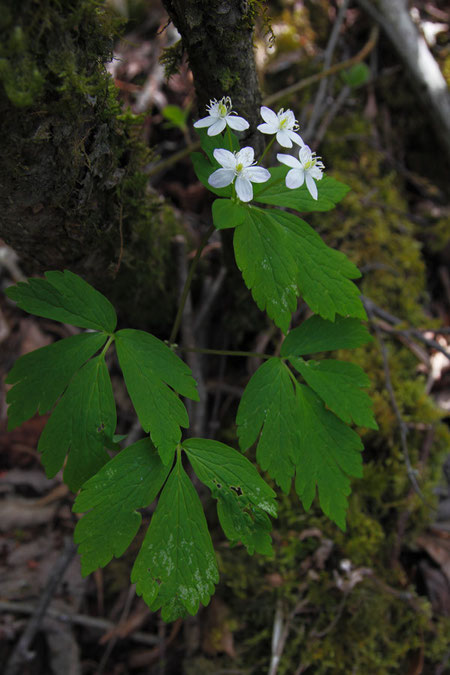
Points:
x=218 y=38
x=72 y=193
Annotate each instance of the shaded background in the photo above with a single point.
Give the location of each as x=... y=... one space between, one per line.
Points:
x=95 y=176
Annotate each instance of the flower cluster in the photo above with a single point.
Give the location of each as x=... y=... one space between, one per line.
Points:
x=240 y=168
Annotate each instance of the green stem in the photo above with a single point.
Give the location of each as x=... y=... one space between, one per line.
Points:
x=229 y=138
x=106 y=347
x=187 y=286
x=225 y=352
x=268 y=146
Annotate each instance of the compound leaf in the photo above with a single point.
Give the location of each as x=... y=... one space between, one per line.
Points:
x=264 y=256
x=152 y=374
x=65 y=297
x=85 y=414
x=128 y=482
x=327 y=454
x=281 y=256
x=268 y=406
x=176 y=568
x=319 y=335
x=275 y=193
x=40 y=377
x=244 y=498
x=323 y=274
x=339 y=384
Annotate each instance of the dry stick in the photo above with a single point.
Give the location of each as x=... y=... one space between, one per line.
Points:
x=331 y=114
x=360 y=56
x=187 y=285
x=77 y=619
x=390 y=318
x=321 y=91
x=112 y=642
x=197 y=414
x=21 y=653
x=401 y=423
x=226 y=352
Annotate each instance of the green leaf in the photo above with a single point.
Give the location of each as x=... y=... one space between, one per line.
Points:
x=356 y=75
x=275 y=192
x=268 y=406
x=319 y=335
x=227 y=213
x=243 y=496
x=85 y=413
x=65 y=297
x=339 y=384
x=268 y=267
x=128 y=482
x=40 y=377
x=176 y=567
x=152 y=374
x=281 y=256
x=175 y=115
x=328 y=453
x=203 y=169
x=323 y=274
x=210 y=143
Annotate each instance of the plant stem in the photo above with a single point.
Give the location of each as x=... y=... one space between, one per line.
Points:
x=225 y=352
x=229 y=138
x=106 y=347
x=187 y=286
x=268 y=146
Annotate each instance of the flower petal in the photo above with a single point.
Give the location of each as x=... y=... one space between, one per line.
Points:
x=245 y=156
x=217 y=127
x=283 y=139
x=305 y=154
x=226 y=158
x=221 y=178
x=244 y=189
x=295 y=178
x=267 y=128
x=316 y=172
x=204 y=122
x=236 y=123
x=257 y=174
x=312 y=187
x=289 y=161
x=269 y=116
x=296 y=138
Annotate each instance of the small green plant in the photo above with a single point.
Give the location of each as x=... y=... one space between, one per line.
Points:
x=297 y=410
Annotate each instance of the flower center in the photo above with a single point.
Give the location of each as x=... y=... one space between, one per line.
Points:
x=222 y=109
x=239 y=168
x=310 y=163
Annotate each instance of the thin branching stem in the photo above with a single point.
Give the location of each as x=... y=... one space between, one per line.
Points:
x=187 y=286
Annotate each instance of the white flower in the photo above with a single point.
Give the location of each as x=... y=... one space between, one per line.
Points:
x=309 y=168
x=282 y=124
x=239 y=165
x=219 y=115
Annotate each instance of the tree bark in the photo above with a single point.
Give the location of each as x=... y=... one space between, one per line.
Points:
x=218 y=38
x=72 y=192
